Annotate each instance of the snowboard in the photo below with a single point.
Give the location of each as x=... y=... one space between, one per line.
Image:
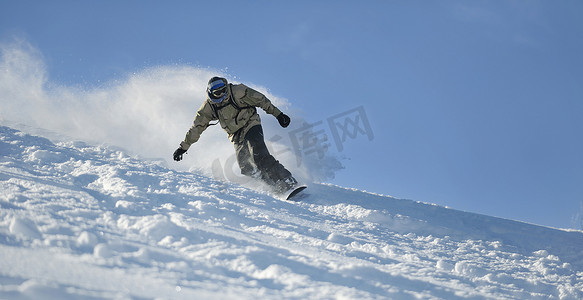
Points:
x=293 y=194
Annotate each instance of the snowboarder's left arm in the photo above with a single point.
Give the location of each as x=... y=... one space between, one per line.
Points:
x=255 y=98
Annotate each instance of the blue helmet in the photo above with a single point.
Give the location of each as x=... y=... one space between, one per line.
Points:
x=217 y=89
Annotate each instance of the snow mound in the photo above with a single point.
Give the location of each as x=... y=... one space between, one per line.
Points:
x=79 y=221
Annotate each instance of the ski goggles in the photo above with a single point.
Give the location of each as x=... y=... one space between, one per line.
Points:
x=217 y=91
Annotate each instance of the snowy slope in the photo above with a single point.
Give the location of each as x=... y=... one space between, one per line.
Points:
x=90 y=222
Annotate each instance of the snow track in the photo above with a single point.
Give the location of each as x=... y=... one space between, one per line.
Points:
x=90 y=222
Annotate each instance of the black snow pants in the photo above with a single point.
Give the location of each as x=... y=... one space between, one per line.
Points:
x=255 y=161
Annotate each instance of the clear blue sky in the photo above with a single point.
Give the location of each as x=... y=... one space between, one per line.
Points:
x=477 y=105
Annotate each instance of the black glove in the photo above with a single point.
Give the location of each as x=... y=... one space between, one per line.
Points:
x=283 y=120
x=178 y=154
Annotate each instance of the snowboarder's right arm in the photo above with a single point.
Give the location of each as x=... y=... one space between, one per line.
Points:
x=202 y=120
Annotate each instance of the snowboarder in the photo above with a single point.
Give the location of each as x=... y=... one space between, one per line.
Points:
x=234 y=106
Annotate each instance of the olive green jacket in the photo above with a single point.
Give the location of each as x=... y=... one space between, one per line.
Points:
x=233 y=119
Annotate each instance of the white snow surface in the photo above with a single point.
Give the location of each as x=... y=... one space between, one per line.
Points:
x=80 y=221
